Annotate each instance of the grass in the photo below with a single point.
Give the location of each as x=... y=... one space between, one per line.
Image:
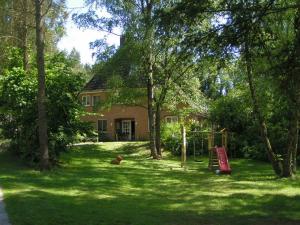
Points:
x=88 y=190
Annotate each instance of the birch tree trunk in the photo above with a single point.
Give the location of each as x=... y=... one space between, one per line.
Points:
x=150 y=79
x=151 y=114
x=290 y=162
x=276 y=164
x=291 y=151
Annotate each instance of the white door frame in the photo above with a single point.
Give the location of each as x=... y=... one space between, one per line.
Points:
x=127 y=129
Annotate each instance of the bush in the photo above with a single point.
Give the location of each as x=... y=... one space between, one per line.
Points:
x=235 y=112
x=171 y=137
x=18 y=101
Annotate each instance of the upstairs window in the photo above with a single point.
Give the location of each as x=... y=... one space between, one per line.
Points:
x=86 y=100
x=171 y=119
x=96 y=100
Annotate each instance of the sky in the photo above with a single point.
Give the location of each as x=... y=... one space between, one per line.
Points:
x=80 y=38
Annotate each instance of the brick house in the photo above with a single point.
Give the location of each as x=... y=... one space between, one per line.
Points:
x=120 y=122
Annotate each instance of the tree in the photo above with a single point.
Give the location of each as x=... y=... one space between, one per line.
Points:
x=16 y=19
x=246 y=31
x=18 y=111
x=17 y=38
x=140 y=24
x=135 y=17
x=250 y=24
x=41 y=97
x=18 y=23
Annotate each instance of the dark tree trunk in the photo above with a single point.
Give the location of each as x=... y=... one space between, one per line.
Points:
x=157 y=131
x=294 y=154
x=159 y=103
x=25 y=36
x=276 y=164
x=290 y=160
x=297 y=76
x=42 y=117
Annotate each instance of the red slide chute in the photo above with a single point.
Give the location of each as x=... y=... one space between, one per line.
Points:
x=223 y=160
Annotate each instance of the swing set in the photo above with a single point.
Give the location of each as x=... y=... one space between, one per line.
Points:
x=218 y=159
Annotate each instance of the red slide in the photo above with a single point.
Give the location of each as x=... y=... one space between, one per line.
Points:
x=223 y=160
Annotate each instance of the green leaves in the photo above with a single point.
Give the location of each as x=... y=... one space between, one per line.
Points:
x=19 y=108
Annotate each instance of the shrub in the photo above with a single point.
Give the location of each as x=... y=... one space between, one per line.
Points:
x=18 y=102
x=171 y=137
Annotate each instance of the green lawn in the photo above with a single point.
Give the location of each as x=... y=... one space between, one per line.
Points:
x=88 y=190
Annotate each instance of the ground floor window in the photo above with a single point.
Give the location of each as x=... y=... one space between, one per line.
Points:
x=102 y=126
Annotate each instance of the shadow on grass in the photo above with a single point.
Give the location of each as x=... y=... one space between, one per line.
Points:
x=131 y=148
x=88 y=190
x=146 y=209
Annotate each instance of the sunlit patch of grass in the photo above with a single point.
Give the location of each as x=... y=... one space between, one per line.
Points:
x=88 y=190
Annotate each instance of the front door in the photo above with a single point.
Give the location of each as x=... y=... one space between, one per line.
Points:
x=126 y=129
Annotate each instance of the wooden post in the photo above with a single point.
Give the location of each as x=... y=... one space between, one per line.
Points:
x=224 y=138
x=211 y=143
x=209 y=138
x=194 y=146
x=202 y=144
x=183 y=148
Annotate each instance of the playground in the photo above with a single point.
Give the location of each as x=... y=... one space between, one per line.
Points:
x=88 y=190
x=217 y=150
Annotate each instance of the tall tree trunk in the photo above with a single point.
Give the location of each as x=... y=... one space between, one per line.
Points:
x=294 y=154
x=151 y=114
x=296 y=92
x=157 y=131
x=276 y=164
x=25 y=36
x=42 y=117
x=150 y=78
x=292 y=146
x=159 y=103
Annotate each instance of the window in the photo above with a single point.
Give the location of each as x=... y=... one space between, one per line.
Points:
x=171 y=119
x=86 y=100
x=102 y=126
x=96 y=100
x=126 y=126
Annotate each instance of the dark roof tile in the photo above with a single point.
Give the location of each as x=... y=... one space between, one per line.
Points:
x=95 y=83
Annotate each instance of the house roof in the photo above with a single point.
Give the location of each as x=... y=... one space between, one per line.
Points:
x=97 y=82
x=100 y=83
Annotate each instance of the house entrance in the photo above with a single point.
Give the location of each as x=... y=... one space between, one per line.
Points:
x=125 y=129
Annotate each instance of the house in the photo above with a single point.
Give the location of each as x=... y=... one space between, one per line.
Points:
x=120 y=122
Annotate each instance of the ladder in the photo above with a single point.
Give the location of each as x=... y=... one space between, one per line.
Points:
x=213 y=163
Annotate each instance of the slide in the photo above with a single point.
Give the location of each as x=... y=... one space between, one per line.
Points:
x=223 y=160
